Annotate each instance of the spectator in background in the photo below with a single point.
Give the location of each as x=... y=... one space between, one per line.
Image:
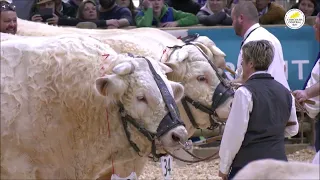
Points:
x=116 y=16
x=308 y=7
x=232 y=3
x=62 y=20
x=201 y=2
x=87 y=11
x=270 y=12
x=64 y=9
x=214 y=12
x=44 y=4
x=23 y=8
x=74 y=5
x=188 y=6
x=128 y=4
x=156 y=13
x=8 y=18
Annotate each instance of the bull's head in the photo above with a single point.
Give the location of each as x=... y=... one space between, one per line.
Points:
x=132 y=83
x=201 y=81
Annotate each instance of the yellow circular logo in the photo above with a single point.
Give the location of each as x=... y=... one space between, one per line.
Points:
x=294 y=19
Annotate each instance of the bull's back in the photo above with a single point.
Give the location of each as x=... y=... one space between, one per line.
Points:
x=46 y=95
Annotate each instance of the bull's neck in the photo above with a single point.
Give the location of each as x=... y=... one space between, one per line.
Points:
x=107 y=143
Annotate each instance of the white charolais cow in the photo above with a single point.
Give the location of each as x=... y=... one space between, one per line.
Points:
x=270 y=169
x=60 y=108
x=189 y=66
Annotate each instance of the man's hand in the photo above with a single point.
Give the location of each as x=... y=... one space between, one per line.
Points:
x=238 y=81
x=113 y=23
x=300 y=95
x=36 y=18
x=223 y=176
x=146 y=4
x=54 y=20
x=169 y=24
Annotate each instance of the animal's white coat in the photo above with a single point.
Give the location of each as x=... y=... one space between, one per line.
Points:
x=188 y=64
x=53 y=112
x=275 y=169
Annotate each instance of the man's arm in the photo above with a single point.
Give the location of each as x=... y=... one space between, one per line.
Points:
x=126 y=18
x=235 y=128
x=144 y=18
x=294 y=129
x=313 y=91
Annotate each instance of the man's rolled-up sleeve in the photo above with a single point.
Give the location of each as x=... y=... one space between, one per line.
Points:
x=235 y=128
x=294 y=129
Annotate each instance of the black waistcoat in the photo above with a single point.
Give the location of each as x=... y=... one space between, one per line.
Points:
x=271 y=111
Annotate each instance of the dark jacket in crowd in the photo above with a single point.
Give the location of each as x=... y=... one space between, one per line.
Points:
x=67 y=10
x=221 y=18
x=73 y=8
x=188 y=6
x=117 y=13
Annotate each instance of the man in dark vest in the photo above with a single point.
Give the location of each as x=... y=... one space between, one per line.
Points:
x=256 y=127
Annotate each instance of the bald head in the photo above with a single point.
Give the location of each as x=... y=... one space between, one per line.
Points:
x=248 y=10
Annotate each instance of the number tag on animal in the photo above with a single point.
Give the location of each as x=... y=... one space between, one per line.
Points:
x=166 y=166
x=132 y=176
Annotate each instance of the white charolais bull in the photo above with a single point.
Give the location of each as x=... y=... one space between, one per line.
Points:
x=270 y=169
x=60 y=109
x=189 y=66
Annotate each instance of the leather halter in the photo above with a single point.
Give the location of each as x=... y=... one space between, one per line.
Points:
x=220 y=95
x=170 y=121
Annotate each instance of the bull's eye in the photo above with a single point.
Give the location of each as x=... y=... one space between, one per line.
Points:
x=141 y=98
x=201 y=78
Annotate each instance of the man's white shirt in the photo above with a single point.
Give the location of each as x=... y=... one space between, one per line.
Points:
x=313 y=110
x=237 y=125
x=276 y=68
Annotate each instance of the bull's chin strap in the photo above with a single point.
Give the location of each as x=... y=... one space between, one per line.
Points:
x=125 y=118
x=202 y=108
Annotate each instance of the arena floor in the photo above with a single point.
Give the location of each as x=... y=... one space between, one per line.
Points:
x=207 y=170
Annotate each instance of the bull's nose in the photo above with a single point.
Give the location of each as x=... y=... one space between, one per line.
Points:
x=178 y=137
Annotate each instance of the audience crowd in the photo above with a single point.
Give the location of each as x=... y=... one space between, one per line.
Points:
x=150 y=13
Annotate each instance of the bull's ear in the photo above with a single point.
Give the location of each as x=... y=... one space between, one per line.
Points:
x=102 y=84
x=165 y=68
x=179 y=55
x=178 y=91
x=109 y=85
x=217 y=51
x=172 y=65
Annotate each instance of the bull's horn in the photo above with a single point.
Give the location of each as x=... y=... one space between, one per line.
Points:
x=216 y=51
x=123 y=68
